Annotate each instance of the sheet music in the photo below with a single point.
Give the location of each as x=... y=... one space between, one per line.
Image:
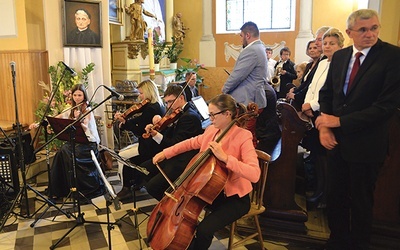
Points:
x=123 y=161
x=110 y=189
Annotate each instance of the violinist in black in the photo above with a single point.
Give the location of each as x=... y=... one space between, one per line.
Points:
x=88 y=180
x=187 y=125
x=135 y=120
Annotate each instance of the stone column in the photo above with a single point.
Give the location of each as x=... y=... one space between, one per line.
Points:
x=207 y=43
x=305 y=33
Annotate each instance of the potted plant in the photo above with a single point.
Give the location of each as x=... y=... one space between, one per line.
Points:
x=62 y=98
x=173 y=52
x=189 y=66
x=159 y=51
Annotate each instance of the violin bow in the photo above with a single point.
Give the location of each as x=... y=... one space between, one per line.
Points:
x=183 y=89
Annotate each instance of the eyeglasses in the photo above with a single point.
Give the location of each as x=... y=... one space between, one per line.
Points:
x=363 y=30
x=212 y=115
x=170 y=101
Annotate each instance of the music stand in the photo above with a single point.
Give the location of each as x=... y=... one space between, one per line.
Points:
x=72 y=131
x=110 y=197
x=135 y=208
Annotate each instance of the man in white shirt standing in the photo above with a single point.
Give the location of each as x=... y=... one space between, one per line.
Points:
x=271 y=64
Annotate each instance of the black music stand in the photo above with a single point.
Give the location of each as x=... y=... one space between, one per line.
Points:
x=135 y=209
x=110 y=198
x=72 y=131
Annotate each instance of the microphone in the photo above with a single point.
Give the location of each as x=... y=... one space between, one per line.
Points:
x=114 y=93
x=73 y=73
x=12 y=64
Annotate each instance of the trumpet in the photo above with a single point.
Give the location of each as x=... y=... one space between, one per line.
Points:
x=276 y=79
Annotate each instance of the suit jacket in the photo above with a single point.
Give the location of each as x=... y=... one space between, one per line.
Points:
x=188 y=92
x=286 y=78
x=242 y=158
x=188 y=125
x=301 y=91
x=246 y=81
x=365 y=110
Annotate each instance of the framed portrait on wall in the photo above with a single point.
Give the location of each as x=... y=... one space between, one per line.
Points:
x=115 y=12
x=82 y=23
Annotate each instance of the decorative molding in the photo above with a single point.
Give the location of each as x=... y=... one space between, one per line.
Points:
x=133 y=49
x=232 y=50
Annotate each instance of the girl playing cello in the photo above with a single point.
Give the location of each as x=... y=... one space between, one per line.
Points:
x=237 y=152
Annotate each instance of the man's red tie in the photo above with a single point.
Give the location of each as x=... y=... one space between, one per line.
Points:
x=354 y=70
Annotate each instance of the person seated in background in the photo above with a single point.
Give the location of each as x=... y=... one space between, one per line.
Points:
x=236 y=153
x=88 y=179
x=186 y=125
x=268 y=131
x=140 y=151
x=285 y=69
x=191 y=89
x=300 y=69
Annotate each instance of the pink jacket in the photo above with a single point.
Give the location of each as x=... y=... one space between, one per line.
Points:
x=242 y=158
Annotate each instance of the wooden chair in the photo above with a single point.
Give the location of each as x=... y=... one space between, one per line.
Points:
x=257 y=206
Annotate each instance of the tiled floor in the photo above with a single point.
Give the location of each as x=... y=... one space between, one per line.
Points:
x=18 y=233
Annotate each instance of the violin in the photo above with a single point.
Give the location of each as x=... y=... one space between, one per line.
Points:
x=172 y=223
x=81 y=107
x=165 y=121
x=134 y=109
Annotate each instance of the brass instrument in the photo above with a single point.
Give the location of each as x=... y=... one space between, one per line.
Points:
x=276 y=79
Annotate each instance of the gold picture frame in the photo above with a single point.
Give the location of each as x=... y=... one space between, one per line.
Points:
x=76 y=12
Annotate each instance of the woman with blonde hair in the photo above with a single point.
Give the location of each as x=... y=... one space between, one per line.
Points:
x=332 y=41
x=140 y=151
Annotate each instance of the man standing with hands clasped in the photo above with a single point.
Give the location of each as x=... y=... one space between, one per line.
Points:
x=360 y=94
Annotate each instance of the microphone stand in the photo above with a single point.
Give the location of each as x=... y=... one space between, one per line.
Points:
x=44 y=124
x=23 y=191
x=22 y=194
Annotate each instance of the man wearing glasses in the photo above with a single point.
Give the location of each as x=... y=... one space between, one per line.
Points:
x=185 y=123
x=360 y=95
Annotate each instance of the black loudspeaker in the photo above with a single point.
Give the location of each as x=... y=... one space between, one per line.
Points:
x=8 y=170
x=29 y=157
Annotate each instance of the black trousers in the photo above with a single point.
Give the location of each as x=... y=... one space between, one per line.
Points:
x=224 y=211
x=350 y=201
x=156 y=184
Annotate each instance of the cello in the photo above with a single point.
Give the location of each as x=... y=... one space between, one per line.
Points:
x=172 y=223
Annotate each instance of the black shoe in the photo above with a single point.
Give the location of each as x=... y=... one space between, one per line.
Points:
x=124 y=194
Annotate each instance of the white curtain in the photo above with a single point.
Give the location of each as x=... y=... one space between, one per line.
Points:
x=78 y=58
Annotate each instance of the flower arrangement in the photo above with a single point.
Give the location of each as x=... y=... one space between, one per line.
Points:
x=190 y=66
x=174 y=50
x=159 y=48
x=62 y=98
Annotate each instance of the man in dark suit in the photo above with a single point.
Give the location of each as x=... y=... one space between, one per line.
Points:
x=353 y=126
x=191 y=89
x=286 y=71
x=186 y=126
